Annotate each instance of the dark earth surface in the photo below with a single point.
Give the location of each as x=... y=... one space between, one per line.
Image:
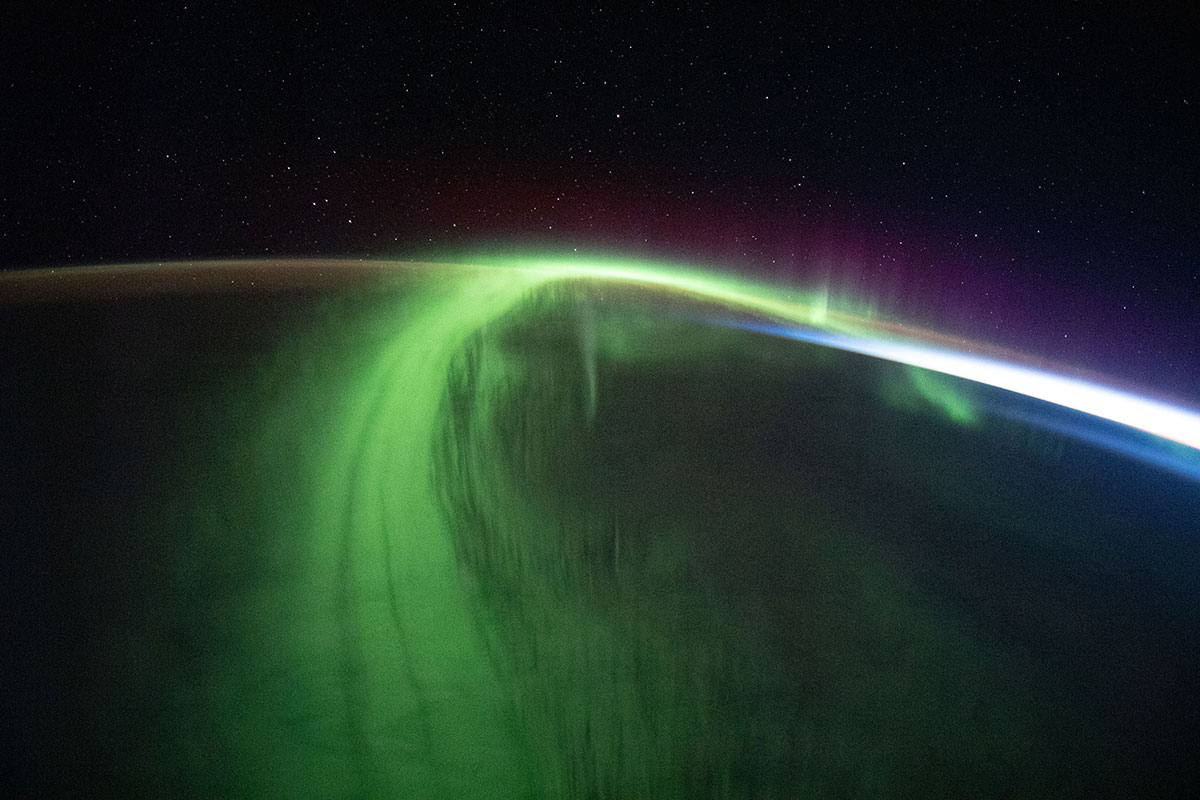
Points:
x=744 y=567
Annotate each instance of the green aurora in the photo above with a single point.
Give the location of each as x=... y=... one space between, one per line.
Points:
x=530 y=531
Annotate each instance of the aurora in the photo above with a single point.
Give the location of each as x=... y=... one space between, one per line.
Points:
x=856 y=330
x=545 y=528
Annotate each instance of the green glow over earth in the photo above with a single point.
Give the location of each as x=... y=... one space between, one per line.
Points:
x=543 y=528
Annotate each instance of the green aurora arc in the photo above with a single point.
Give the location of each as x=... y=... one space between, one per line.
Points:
x=374 y=626
x=382 y=675
x=382 y=599
x=424 y=708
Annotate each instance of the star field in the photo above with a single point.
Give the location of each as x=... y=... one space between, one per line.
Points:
x=1020 y=164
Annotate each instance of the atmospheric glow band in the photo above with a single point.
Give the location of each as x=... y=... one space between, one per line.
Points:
x=1146 y=414
x=857 y=330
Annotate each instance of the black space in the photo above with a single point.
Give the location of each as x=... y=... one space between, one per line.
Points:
x=1034 y=169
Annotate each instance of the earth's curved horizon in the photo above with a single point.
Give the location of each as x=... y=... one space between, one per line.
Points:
x=356 y=528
